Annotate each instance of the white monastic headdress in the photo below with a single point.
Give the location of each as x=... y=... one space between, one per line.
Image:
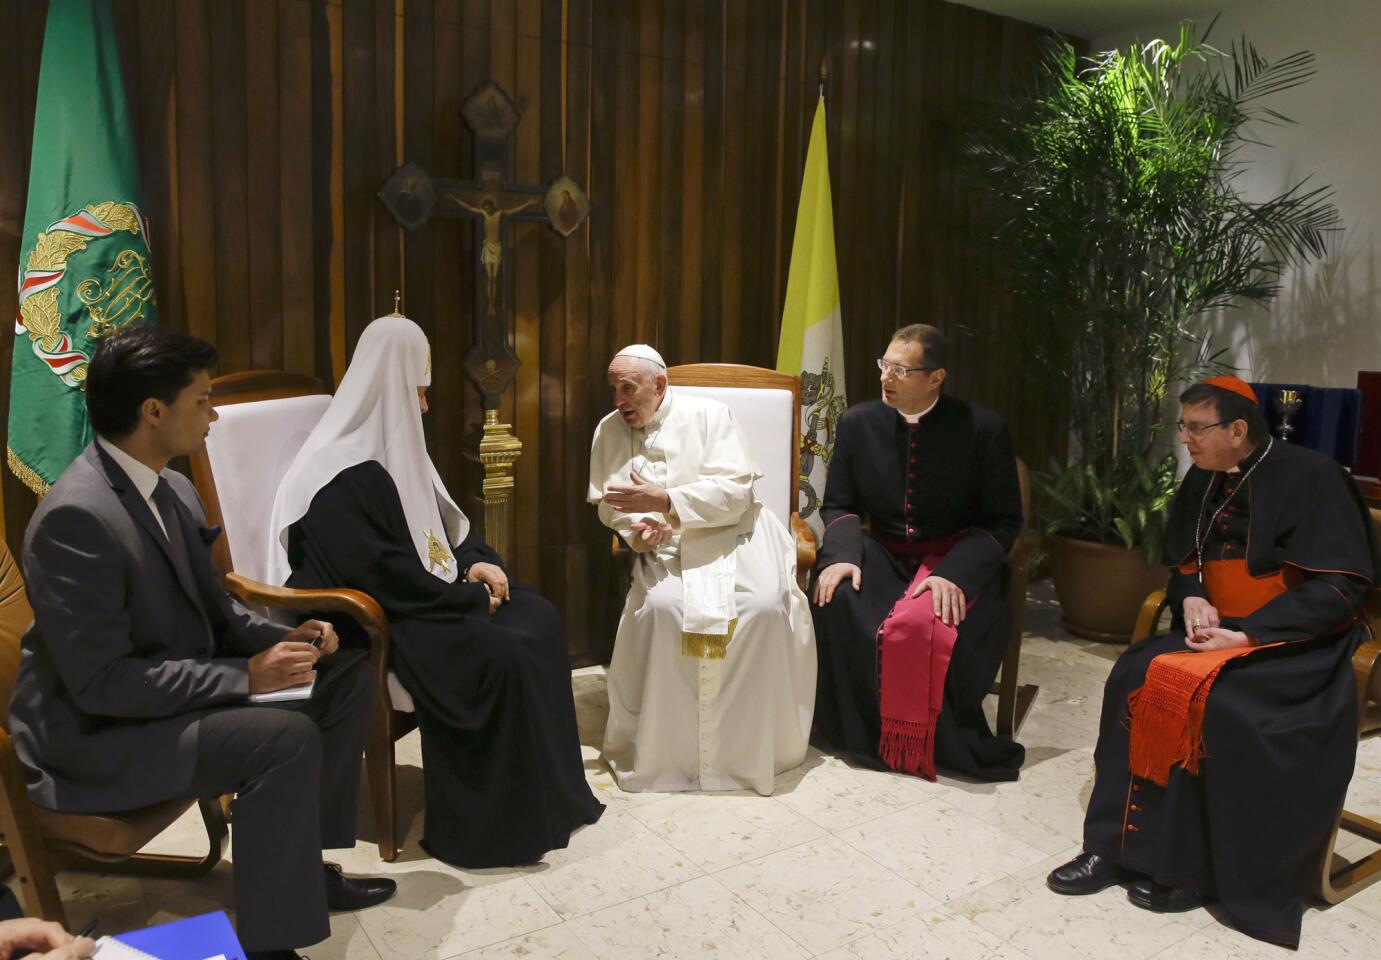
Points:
x=375 y=416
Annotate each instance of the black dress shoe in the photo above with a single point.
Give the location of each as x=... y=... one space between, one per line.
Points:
x=355 y=893
x=1086 y=873
x=273 y=955
x=1158 y=898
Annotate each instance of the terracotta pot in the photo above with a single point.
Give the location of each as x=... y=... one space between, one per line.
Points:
x=1101 y=587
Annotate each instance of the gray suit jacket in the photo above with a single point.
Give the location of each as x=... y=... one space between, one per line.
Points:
x=128 y=649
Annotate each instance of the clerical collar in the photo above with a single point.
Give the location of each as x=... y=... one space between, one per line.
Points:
x=914 y=418
x=1249 y=461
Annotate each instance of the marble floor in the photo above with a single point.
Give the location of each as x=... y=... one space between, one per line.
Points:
x=840 y=863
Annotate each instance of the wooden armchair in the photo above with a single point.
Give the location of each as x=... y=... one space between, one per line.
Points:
x=265 y=417
x=39 y=842
x=1337 y=878
x=763 y=401
x=1014 y=699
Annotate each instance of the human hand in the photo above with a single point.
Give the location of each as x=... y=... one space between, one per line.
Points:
x=651 y=533
x=1199 y=614
x=27 y=933
x=637 y=497
x=949 y=599
x=318 y=633
x=288 y=663
x=832 y=576
x=494 y=580
x=1217 y=638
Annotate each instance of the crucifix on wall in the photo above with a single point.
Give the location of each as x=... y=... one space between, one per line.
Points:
x=413 y=197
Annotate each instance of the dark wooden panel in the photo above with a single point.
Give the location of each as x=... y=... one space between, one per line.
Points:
x=265 y=127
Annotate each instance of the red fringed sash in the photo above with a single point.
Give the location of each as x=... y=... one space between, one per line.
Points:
x=1168 y=711
x=914 y=650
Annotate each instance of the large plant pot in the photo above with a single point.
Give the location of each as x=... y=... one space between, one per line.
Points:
x=1101 y=587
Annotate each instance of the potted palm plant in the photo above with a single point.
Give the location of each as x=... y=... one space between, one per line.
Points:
x=1110 y=183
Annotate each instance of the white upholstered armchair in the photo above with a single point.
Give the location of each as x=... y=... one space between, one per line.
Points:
x=265 y=417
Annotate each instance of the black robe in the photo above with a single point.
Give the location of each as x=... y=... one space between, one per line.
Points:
x=502 y=767
x=1280 y=725
x=952 y=473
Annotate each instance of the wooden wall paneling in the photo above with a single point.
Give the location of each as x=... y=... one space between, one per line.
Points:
x=386 y=236
x=712 y=220
x=647 y=302
x=534 y=249
x=295 y=189
x=692 y=199
x=450 y=305
x=264 y=159
x=734 y=152
x=668 y=178
x=229 y=188
x=422 y=35
x=158 y=153
x=359 y=134
x=196 y=181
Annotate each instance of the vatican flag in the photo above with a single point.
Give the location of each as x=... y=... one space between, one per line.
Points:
x=812 y=340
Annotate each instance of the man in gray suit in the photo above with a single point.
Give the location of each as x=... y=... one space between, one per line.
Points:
x=135 y=675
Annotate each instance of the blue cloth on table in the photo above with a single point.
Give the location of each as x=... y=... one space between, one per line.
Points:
x=1326 y=421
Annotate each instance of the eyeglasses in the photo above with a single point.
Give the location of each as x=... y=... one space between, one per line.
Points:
x=1197 y=430
x=900 y=372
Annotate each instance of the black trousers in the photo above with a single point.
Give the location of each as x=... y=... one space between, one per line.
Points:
x=295 y=768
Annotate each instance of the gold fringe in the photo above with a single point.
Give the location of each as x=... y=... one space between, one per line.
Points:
x=26 y=473
x=707 y=646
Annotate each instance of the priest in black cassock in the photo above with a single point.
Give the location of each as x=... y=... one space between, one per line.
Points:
x=921 y=506
x=1226 y=745
x=484 y=661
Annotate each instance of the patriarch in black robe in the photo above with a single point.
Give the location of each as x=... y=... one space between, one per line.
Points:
x=1226 y=745
x=483 y=661
x=921 y=505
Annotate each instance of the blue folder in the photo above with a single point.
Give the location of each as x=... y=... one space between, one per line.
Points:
x=195 y=938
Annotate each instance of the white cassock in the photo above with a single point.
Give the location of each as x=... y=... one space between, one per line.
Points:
x=712 y=684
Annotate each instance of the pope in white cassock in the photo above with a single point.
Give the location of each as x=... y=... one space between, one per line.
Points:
x=712 y=683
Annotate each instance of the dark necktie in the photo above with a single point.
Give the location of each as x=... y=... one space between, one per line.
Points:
x=163 y=499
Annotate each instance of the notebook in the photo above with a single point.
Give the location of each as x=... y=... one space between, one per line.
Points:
x=207 y=937
x=303 y=692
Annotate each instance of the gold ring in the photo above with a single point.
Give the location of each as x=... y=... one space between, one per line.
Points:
x=1195 y=623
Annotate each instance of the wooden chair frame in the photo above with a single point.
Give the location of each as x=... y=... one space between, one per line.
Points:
x=387 y=725
x=1014 y=699
x=1336 y=878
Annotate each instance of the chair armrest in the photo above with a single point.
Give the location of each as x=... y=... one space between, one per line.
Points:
x=1019 y=557
x=805 y=544
x=1151 y=609
x=617 y=548
x=1368 y=672
x=359 y=606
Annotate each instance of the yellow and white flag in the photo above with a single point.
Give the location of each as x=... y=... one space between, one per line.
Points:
x=812 y=339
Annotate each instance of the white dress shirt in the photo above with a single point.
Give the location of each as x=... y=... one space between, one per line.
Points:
x=144 y=479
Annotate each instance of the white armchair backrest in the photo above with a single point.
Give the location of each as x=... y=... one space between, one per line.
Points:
x=250 y=448
x=764 y=414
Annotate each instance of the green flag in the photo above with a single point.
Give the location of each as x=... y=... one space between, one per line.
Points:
x=84 y=257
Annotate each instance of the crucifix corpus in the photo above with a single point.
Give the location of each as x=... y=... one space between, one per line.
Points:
x=413 y=197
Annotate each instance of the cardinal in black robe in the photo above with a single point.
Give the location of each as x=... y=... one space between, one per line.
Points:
x=483 y=660
x=1226 y=745
x=921 y=505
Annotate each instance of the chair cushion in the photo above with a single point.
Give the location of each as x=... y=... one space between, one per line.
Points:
x=250 y=448
x=108 y=836
x=764 y=415
x=15 y=617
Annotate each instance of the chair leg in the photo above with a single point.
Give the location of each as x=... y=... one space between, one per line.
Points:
x=176 y=866
x=1340 y=878
x=383 y=786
